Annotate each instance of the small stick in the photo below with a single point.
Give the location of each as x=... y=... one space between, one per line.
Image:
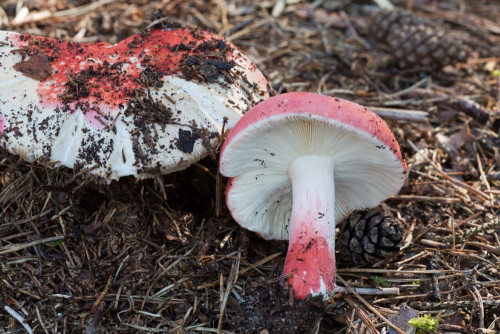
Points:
x=483 y=176
x=436 y=292
x=218 y=178
x=371 y=308
x=30 y=219
x=471 y=108
x=16 y=316
x=16 y=248
x=426 y=198
x=479 y=300
x=412 y=258
x=452 y=220
x=404 y=114
x=394 y=271
x=371 y=291
x=278 y=8
x=249 y=29
x=432 y=243
x=102 y=295
x=362 y=315
x=233 y=277
x=485 y=247
x=24 y=16
x=40 y=320
x=351 y=31
x=452 y=180
x=409 y=89
x=77 y=11
x=456 y=304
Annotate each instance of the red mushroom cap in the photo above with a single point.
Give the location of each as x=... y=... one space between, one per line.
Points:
x=152 y=103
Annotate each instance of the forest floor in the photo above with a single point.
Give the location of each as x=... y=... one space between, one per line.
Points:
x=79 y=256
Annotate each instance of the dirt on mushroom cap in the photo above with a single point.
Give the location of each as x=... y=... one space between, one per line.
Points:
x=95 y=72
x=145 y=83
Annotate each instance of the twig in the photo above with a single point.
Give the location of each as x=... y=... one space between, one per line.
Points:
x=24 y=16
x=364 y=318
x=40 y=320
x=426 y=198
x=233 y=277
x=406 y=114
x=485 y=247
x=248 y=30
x=219 y=195
x=30 y=219
x=432 y=243
x=394 y=271
x=406 y=90
x=454 y=304
x=452 y=180
x=479 y=300
x=371 y=308
x=15 y=248
x=434 y=264
x=472 y=231
x=471 y=108
x=351 y=31
x=77 y=11
x=102 y=295
x=371 y=291
x=16 y=316
x=278 y=8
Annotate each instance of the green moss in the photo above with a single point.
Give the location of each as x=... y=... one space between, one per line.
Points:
x=379 y=281
x=425 y=323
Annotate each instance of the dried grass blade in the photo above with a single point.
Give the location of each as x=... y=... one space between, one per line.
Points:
x=233 y=277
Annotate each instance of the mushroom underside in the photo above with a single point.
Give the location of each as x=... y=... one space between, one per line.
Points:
x=260 y=190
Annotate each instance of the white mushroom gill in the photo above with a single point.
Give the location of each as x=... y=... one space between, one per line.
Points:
x=210 y=100
x=67 y=144
x=122 y=158
x=260 y=196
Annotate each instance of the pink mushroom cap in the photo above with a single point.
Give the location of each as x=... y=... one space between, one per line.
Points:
x=298 y=163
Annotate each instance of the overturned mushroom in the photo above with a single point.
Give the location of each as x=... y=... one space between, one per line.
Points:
x=300 y=162
x=152 y=103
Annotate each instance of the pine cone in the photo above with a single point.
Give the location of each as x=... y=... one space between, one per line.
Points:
x=415 y=42
x=369 y=236
x=384 y=22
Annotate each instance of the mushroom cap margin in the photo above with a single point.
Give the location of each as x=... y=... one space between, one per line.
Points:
x=343 y=114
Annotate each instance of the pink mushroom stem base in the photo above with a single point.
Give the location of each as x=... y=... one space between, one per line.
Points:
x=311 y=251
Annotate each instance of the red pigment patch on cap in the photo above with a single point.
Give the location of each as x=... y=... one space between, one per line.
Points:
x=309 y=263
x=101 y=78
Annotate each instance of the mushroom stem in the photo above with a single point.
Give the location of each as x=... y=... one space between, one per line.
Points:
x=311 y=252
